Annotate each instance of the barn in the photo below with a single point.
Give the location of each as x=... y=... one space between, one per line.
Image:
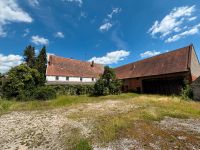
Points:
x=161 y=74
x=70 y=71
x=196 y=89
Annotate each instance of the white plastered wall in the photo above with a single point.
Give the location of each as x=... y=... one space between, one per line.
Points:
x=71 y=79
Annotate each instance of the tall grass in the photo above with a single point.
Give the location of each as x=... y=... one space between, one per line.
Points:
x=61 y=101
x=151 y=108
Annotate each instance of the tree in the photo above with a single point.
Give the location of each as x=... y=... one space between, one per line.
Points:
x=108 y=83
x=20 y=82
x=1 y=84
x=41 y=63
x=29 y=54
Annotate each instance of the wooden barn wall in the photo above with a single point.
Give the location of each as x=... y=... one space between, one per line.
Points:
x=136 y=84
x=196 y=89
x=132 y=85
x=196 y=92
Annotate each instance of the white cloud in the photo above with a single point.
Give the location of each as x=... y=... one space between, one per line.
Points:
x=9 y=61
x=191 y=31
x=59 y=35
x=11 y=12
x=111 y=57
x=79 y=2
x=33 y=2
x=192 y=18
x=105 y=27
x=39 y=40
x=149 y=54
x=114 y=11
x=172 y=21
x=26 y=32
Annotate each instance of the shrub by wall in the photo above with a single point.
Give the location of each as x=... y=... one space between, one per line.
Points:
x=108 y=83
x=187 y=92
x=44 y=93
x=70 y=89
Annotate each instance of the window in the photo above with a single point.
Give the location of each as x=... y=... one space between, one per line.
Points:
x=67 y=78
x=92 y=79
x=57 y=77
x=81 y=79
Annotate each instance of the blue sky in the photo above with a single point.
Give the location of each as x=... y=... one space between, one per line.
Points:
x=112 y=32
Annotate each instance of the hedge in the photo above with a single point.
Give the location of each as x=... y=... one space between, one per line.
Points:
x=44 y=93
x=70 y=89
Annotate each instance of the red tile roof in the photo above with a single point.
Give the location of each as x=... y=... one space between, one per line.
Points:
x=170 y=62
x=59 y=66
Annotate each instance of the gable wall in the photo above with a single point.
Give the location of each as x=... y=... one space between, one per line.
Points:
x=195 y=66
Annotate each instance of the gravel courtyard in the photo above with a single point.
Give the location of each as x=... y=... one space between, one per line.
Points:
x=55 y=128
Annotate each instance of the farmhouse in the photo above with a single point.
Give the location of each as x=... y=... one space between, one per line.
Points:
x=65 y=71
x=163 y=74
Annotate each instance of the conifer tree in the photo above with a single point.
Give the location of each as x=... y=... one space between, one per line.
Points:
x=29 y=56
x=41 y=63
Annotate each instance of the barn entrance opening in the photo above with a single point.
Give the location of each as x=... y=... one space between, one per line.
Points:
x=164 y=86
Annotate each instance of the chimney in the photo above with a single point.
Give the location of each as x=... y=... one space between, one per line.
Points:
x=92 y=65
x=50 y=60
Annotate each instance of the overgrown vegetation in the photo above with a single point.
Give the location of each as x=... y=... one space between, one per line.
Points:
x=44 y=93
x=73 y=89
x=23 y=82
x=115 y=116
x=60 y=101
x=1 y=84
x=151 y=108
x=187 y=92
x=108 y=83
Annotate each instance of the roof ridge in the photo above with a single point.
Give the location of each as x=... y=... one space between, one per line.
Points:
x=156 y=56
x=75 y=60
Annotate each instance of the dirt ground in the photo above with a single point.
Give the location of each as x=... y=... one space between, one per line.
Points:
x=50 y=129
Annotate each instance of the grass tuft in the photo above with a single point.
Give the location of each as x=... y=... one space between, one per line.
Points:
x=83 y=144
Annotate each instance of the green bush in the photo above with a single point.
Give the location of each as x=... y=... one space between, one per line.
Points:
x=20 y=82
x=107 y=84
x=187 y=92
x=1 y=83
x=44 y=93
x=99 y=88
x=70 y=89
